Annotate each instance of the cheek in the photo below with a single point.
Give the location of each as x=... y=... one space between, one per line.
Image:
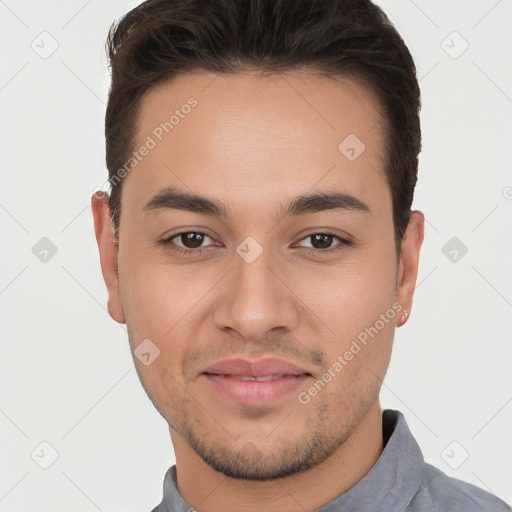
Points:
x=374 y=285
x=158 y=310
x=359 y=364
x=353 y=296
x=155 y=294
x=164 y=304
x=357 y=304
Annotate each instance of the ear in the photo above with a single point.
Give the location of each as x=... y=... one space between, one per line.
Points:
x=409 y=261
x=108 y=248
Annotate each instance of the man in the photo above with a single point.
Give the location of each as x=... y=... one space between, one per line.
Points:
x=259 y=244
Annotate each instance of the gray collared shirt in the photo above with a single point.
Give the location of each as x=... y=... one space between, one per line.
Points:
x=399 y=481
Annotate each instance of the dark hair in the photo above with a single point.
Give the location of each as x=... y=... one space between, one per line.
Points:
x=352 y=38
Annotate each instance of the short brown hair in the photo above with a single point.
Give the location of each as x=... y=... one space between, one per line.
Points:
x=354 y=38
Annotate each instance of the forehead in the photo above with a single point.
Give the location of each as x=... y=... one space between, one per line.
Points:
x=258 y=137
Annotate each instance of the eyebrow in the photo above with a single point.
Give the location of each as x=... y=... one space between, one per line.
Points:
x=171 y=198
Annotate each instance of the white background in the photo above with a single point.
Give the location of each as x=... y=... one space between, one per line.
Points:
x=66 y=372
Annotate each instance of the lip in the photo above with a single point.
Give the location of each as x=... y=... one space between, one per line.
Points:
x=255 y=367
x=225 y=376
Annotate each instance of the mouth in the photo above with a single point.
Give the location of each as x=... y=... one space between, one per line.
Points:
x=253 y=378
x=255 y=382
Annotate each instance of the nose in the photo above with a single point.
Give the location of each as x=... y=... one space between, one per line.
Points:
x=256 y=298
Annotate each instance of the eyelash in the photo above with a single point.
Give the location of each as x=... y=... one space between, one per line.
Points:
x=344 y=243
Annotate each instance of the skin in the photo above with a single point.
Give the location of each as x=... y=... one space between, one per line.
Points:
x=254 y=144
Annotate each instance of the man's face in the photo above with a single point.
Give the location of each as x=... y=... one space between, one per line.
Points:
x=256 y=291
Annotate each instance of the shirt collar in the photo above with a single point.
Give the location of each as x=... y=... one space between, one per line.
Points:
x=394 y=479
x=389 y=485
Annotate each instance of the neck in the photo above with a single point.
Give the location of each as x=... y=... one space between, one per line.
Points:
x=203 y=488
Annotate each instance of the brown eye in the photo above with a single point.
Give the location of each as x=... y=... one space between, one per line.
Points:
x=323 y=242
x=191 y=240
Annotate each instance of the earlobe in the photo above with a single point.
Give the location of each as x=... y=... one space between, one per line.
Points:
x=409 y=263
x=108 y=250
